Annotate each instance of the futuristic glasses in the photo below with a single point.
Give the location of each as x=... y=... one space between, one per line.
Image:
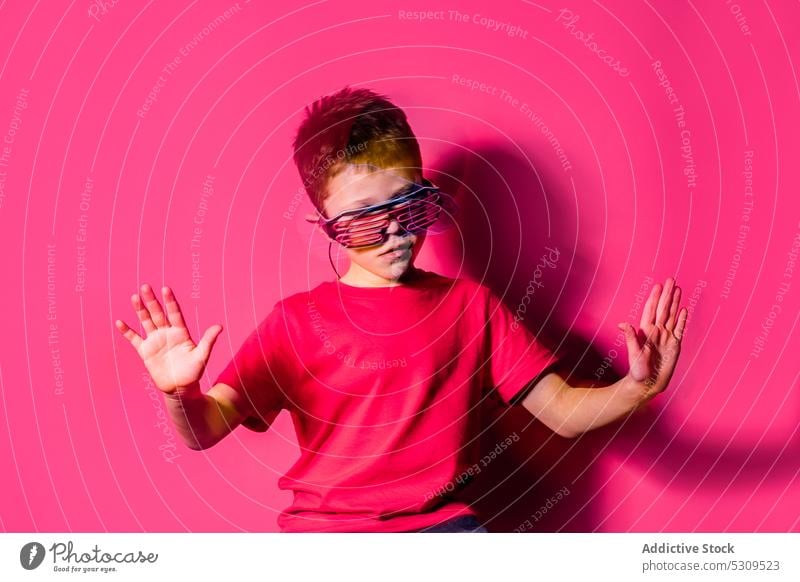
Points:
x=415 y=208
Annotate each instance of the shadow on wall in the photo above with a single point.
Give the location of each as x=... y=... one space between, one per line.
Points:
x=510 y=214
x=545 y=483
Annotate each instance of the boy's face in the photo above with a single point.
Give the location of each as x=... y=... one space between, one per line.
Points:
x=357 y=186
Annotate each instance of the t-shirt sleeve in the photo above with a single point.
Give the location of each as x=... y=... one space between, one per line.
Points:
x=515 y=357
x=261 y=371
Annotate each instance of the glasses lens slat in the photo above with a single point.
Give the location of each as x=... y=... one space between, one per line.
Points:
x=361 y=240
x=420 y=217
x=360 y=222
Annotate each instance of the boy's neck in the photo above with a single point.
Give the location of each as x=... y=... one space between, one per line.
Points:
x=358 y=277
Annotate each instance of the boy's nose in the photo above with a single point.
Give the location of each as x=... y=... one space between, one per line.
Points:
x=393 y=227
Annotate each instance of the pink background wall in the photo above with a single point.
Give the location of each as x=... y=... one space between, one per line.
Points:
x=99 y=194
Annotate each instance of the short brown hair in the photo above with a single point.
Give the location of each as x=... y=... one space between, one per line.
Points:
x=351 y=126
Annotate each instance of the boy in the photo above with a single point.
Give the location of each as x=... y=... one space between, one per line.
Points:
x=383 y=368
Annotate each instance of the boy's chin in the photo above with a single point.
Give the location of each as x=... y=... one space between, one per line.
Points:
x=393 y=271
x=396 y=270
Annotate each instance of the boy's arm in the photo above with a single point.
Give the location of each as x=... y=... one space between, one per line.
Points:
x=569 y=411
x=203 y=420
x=652 y=356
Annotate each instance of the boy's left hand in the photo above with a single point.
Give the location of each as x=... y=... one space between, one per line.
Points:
x=653 y=350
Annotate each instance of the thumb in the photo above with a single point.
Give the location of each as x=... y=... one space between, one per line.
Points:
x=630 y=338
x=207 y=341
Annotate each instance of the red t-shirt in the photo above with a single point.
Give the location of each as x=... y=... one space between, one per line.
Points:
x=383 y=386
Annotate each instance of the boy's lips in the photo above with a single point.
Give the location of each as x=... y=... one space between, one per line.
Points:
x=402 y=254
x=397 y=248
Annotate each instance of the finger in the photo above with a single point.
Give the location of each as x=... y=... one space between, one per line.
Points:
x=665 y=301
x=128 y=333
x=153 y=306
x=143 y=314
x=649 y=311
x=679 y=327
x=173 y=309
x=673 y=309
x=630 y=339
x=209 y=338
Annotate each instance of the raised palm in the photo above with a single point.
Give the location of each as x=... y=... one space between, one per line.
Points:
x=653 y=350
x=172 y=359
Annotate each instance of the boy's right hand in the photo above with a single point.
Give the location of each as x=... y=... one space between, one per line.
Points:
x=173 y=360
